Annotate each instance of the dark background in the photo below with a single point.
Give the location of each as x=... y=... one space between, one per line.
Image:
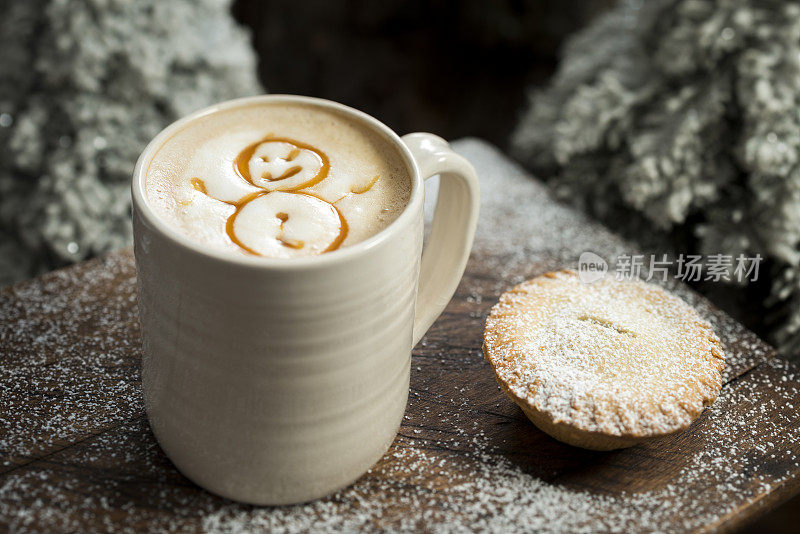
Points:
x=451 y=68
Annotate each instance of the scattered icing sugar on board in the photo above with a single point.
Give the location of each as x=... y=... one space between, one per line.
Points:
x=78 y=455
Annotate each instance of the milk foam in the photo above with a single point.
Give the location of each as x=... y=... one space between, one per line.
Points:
x=277 y=180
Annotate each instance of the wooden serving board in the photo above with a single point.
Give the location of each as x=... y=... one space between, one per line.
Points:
x=78 y=455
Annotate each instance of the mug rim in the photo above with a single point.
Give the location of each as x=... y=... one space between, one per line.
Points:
x=144 y=210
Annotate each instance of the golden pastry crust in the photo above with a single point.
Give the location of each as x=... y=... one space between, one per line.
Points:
x=603 y=365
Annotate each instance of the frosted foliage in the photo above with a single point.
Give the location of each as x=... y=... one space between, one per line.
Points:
x=685 y=111
x=85 y=86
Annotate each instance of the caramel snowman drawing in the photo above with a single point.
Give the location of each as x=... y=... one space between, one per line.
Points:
x=280 y=216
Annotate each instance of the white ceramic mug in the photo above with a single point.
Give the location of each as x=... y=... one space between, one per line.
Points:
x=279 y=381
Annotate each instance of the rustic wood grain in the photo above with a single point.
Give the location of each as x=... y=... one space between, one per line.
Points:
x=78 y=455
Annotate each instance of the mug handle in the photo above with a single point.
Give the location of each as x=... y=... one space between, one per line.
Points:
x=445 y=256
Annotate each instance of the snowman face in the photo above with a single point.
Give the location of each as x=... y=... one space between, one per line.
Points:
x=279 y=164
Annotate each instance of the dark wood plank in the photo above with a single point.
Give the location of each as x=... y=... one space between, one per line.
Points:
x=78 y=455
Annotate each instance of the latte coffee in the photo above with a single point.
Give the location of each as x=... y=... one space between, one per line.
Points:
x=276 y=381
x=277 y=180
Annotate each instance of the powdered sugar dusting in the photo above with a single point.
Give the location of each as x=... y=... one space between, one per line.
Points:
x=623 y=358
x=68 y=368
x=422 y=483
